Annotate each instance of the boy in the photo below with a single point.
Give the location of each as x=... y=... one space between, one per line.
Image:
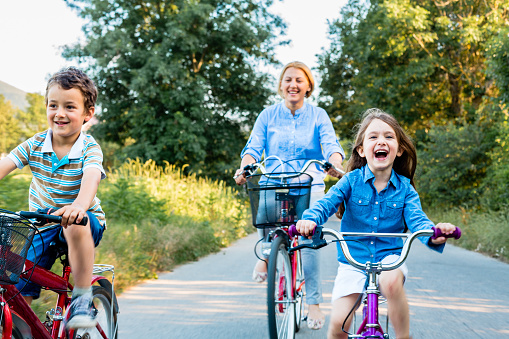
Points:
x=67 y=167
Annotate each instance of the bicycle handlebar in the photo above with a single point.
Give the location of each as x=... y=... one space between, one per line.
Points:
x=43 y=218
x=319 y=242
x=251 y=169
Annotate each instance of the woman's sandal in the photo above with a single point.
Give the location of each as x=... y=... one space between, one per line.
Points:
x=259 y=277
x=315 y=324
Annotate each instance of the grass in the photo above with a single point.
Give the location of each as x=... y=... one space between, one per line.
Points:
x=486 y=232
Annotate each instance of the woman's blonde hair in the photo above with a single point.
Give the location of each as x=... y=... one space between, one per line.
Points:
x=305 y=69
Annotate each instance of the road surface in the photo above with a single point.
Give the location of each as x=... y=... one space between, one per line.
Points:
x=457 y=294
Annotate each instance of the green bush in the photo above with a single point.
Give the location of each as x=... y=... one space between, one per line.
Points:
x=158 y=218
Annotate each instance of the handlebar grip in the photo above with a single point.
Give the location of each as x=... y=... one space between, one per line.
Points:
x=438 y=233
x=292 y=231
x=47 y=218
x=327 y=165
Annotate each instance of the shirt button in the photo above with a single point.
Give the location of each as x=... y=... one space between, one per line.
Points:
x=394 y=205
x=360 y=201
x=375 y=218
x=372 y=243
x=55 y=164
x=376 y=202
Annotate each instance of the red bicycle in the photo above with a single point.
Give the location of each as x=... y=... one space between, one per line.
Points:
x=18 y=320
x=277 y=201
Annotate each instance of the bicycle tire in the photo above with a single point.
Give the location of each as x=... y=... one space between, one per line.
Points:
x=16 y=331
x=280 y=303
x=106 y=316
x=300 y=289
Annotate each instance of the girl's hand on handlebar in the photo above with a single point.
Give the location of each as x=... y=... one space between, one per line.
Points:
x=240 y=177
x=305 y=227
x=446 y=228
x=70 y=214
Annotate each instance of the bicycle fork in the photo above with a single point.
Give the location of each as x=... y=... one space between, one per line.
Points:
x=6 y=317
x=370 y=327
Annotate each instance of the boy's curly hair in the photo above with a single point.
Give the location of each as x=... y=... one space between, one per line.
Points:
x=72 y=77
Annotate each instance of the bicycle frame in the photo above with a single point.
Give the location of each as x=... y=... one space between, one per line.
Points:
x=47 y=279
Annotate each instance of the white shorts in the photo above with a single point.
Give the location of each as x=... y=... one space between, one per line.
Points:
x=350 y=280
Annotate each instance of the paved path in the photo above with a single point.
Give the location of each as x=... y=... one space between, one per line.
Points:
x=458 y=294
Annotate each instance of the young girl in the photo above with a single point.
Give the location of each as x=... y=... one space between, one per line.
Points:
x=376 y=195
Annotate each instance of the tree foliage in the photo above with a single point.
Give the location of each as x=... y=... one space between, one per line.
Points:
x=423 y=61
x=177 y=79
x=9 y=128
x=441 y=67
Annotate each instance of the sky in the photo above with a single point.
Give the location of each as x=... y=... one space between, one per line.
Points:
x=32 y=33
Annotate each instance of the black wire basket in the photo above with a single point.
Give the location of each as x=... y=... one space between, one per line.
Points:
x=16 y=236
x=278 y=199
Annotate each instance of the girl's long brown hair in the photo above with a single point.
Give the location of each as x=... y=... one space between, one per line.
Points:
x=404 y=165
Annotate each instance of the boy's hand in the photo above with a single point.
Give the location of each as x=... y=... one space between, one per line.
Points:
x=71 y=214
x=305 y=227
x=446 y=228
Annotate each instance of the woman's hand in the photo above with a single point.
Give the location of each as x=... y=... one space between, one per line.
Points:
x=240 y=177
x=333 y=173
x=336 y=160
x=305 y=227
x=446 y=228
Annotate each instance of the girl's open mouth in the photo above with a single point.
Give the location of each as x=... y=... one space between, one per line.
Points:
x=381 y=155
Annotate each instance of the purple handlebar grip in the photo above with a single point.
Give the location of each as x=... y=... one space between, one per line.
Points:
x=438 y=233
x=292 y=231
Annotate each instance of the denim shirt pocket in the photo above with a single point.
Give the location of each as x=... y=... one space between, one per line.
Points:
x=394 y=208
x=359 y=205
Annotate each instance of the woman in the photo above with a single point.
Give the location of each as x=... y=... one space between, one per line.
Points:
x=291 y=130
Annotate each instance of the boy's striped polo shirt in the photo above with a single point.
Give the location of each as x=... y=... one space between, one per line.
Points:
x=56 y=182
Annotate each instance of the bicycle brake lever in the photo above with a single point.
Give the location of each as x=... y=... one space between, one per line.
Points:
x=318 y=241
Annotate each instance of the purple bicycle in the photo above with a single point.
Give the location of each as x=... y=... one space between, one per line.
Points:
x=370 y=326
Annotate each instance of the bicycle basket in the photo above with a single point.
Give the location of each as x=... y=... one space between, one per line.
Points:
x=278 y=199
x=16 y=237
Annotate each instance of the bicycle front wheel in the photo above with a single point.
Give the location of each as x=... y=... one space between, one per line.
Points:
x=106 y=317
x=299 y=288
x=280 y=300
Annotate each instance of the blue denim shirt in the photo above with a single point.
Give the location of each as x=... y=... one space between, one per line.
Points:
x=305 y=136
x=370 y=211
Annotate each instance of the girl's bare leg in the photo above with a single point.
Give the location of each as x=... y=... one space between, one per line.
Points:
x=340 y=309
x=391 y=286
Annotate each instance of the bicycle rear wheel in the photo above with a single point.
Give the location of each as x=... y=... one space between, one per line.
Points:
x=280 y=302
x=106 y=317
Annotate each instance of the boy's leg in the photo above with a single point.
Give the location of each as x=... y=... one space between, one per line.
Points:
x=391 y=286
x=81 y=253
x=340 y=309
x=81 y=241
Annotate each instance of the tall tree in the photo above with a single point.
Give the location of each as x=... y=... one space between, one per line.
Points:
x=34 y=119
x=9 y=127
x=423 y=61
x=177 y=79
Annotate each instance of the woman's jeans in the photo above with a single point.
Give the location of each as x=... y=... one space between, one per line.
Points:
x=310 y=258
